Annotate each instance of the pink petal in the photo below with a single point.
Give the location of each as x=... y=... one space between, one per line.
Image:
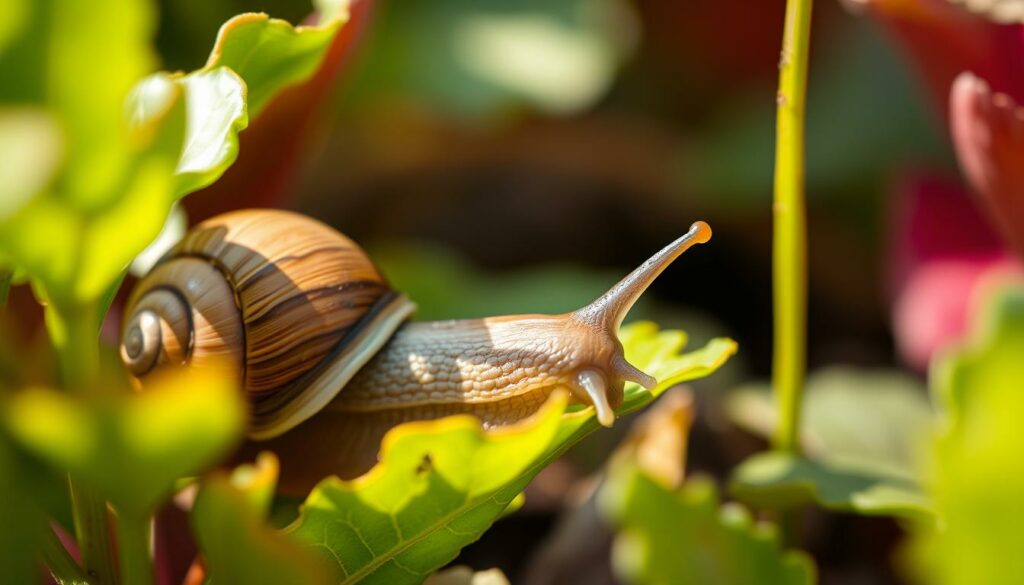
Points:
x=934 y=219
x=931 y=311
x=941 y=251
x=988 y=133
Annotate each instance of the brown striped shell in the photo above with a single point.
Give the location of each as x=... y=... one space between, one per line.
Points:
x=296 y=306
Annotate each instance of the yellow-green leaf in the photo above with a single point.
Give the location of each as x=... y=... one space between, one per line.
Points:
x=99 y=183
x=433 y=492
x=782 y=480
x=217 y=112
x=976 y=474
x=861 y=433
x=271 y=54
x=87 y=247
x=873 y=415
x=131 y=449
x=678 y=537
x=237 y=544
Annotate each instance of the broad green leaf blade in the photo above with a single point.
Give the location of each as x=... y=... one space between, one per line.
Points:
x=432 y=494
x=780 y=480
x=440 y=484
x=684 y=536
x=216 y=106
x=239 y=547
x=119 y=175
x=976 y=475
x=132 y=449
x=271 y=54
x=215 y=113
x=861 y=431
x=875 y=416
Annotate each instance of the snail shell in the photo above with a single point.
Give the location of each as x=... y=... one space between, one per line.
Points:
x=295 y=306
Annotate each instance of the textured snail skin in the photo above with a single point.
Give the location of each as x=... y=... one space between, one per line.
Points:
x=327 y=360
x=473 y=362
x=499 y=369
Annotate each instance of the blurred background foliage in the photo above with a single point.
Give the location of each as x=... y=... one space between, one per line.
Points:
x=501 y=156
x=487 y=178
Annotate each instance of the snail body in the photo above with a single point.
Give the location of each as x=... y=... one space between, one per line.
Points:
x=326 y=354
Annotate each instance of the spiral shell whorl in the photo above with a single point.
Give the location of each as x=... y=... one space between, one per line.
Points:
x=183 y=312
x=295 y=304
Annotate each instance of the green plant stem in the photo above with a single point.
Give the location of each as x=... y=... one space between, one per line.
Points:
x=133 y=538
x=92 y=533
x=58 y=560
x=789 y=246
x=5 y=284
x=75 y=333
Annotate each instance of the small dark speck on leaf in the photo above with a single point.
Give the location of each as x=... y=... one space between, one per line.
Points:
x=425 y=465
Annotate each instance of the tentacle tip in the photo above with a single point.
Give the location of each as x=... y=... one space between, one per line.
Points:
x=701 y=232
x=648 y=382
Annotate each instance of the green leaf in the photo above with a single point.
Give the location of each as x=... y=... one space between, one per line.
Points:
x=271 y=54
x=76 y=65
x=441 y=483
x=22 y=517
x=88 y=246
x=433 y=493
x=237 y=544
x=253 y=59
x=675 y=537
x=80 y=63
x=131 y=449
x=100 y=184
x=976 y=475
x=217 y=112
x=876 y=416
x=861 y=431
x=781 y=480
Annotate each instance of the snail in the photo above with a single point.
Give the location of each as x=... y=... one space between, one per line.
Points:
x=328 y=357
